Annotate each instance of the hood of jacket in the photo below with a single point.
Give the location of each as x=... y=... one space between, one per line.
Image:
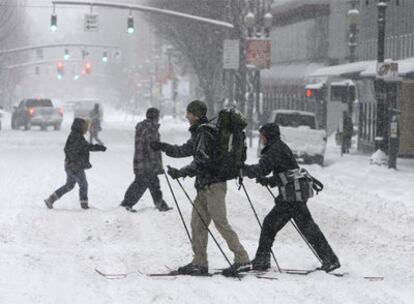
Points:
x=78 y=125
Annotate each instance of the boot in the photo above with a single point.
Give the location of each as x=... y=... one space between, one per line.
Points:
x=84 y=204
x=235 y=269
x=128 y=208
x=329 y=266
x=163 y=206
x=50 y=200
x=261 y=262
x=192 y=269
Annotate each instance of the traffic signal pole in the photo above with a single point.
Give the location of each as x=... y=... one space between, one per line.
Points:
x=147 y=9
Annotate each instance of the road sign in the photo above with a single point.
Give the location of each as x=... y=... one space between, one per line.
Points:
x=388 y=71
x=91 y=23
x=231 y=54
x=258 y=53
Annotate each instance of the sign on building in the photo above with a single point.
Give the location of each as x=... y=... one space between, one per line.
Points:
x=231 y=54
x=258 y=53
x=388 y=71
x=91 y=23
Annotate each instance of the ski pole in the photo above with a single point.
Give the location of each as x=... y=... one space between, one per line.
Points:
x=260 y=224
x=205 y=224
x=298 y=230
x=178 y=207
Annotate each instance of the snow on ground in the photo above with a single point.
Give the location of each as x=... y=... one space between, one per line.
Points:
x=49 y=256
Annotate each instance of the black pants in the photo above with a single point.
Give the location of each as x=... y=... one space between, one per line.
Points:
x=139 y=186
x=299 y=212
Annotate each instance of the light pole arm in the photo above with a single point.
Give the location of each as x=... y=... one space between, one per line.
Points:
x=147 y=9
x=44 y=46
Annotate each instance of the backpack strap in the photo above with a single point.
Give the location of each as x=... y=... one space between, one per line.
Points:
x=317 y=185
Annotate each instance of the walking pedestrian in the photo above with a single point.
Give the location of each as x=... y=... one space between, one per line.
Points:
x=95 y=127
x=147 y=164
x=76 y=162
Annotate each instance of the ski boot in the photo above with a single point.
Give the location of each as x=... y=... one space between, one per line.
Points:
x=261 y=262
x=50 y=200
x=192 y=269
x=162 y=206
x=329 y=266
x=235 y=269
x=128 y=208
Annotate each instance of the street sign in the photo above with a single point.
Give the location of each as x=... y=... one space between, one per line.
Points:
x=388 y=71
x=91 y=23
x=258 y=53
x=231 y=54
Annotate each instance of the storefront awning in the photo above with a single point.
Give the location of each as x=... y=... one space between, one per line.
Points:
x=289 y=74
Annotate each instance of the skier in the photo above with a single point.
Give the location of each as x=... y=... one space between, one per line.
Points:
x=147 y=164
x=76 y=162
x=276 y=156
x=95 y=127
x=211 y=192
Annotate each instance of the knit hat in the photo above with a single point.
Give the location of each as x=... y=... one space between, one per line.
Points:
x=270 y=131
x=198 y=108
x=153 y=114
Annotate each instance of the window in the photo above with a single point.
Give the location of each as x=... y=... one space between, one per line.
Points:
x=39 y=103
x=295 y=120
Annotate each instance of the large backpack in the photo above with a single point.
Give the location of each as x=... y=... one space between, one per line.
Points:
x=230 y=144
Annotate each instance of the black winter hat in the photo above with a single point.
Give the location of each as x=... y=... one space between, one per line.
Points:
x=198 y=108
x=153 y=114
x=270 y=131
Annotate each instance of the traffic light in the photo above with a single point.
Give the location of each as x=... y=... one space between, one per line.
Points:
x=105 y=56
x=309 y=93
x=131 y=29
x=66 y=56
x=88 y=68
x=60 y=69
x=84 y=54
x=53 y=23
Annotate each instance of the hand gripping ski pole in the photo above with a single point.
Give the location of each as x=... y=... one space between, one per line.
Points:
x=203 y=221
x=298 y=230
x=178 y=208
x=260 y=224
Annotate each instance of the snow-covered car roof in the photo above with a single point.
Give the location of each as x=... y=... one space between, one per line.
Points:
x=293 y=112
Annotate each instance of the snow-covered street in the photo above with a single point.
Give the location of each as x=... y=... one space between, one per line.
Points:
x=50 y=256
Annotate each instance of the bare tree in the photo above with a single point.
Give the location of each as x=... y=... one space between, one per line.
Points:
x=201 y=44
x=11 y=35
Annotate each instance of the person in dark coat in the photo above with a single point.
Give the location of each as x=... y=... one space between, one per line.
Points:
x=95 y=127
x=209 y=204
x=147 y=164
x=76 y=162
x=277 y=157
x=347 y=132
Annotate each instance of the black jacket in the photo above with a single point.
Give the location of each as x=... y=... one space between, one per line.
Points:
x=77 y=148
x=275 y=157
x=203 y=147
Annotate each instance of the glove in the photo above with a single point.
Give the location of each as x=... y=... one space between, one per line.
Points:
x=157 y=146
x=101 y=148
x=175 y=173
x=247 y=172
x=262 y=180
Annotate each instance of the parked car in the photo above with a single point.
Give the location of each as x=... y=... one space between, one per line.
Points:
x=36 y=112
x=300 y=130
x=82 y=108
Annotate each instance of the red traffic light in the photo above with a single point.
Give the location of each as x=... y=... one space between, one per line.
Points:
x=309 y=93
x=60 y=66
x=88 y=67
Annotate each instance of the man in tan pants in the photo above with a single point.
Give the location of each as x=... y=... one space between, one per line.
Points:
x=210 y=204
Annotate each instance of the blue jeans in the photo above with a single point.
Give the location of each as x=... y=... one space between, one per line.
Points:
x=72 y=178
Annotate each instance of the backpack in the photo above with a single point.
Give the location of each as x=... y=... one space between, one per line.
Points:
x=297 y=185
x=230 y=144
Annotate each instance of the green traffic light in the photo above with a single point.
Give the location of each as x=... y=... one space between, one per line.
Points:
x=59 y=76
x=131 y=29
x=53 y=23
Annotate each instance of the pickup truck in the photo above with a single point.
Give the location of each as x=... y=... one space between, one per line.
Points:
x=299 y=129
x=36 y=112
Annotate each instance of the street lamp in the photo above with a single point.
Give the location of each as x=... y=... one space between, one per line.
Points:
x=353 y=15
x=381 y=140
x=258 y=31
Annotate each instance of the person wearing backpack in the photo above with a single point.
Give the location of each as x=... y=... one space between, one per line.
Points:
x=277 y=157
x=76 y=162
x=211 y=191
